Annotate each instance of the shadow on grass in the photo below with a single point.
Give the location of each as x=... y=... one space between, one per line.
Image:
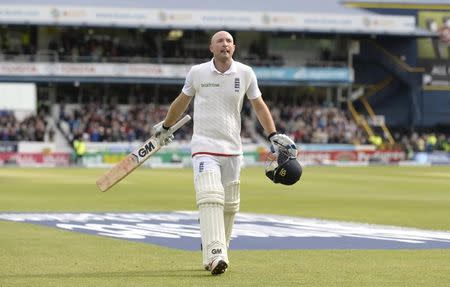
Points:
x=185 y=273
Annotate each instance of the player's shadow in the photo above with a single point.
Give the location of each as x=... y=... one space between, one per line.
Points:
x=185 y=273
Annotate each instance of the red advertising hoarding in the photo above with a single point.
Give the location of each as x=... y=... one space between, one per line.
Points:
x=35 y=159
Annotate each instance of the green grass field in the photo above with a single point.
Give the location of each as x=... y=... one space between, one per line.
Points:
x=32 y=255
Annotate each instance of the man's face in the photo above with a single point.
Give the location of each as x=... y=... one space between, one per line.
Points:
x=222 y=46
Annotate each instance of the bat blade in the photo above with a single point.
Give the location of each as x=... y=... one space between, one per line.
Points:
x=128 y=164
x=117 y=173
x=134 y=159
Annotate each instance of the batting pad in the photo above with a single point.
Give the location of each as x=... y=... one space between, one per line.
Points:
x=210 y=202
x=231 y=207
x=209 y=188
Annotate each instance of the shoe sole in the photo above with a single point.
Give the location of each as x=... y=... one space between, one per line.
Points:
x=220 y=268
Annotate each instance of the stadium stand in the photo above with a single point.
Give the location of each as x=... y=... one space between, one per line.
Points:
x=109 y=79
x=115 y=45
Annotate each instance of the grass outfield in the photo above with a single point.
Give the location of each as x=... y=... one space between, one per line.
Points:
x=32 y=255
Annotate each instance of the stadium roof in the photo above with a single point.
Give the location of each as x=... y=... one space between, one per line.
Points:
x=321 y=6
x=321 y=16
x=421 y=2
x=399 y=4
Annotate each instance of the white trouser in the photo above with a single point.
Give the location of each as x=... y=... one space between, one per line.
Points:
x=228 y=167
x=216 y=181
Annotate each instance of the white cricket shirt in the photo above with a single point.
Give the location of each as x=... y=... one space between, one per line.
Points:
x=218 y=99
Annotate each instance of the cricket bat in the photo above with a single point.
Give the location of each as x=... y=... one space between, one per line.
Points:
x=135 y=159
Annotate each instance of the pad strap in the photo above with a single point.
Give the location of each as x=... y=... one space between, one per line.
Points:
x=232 y=197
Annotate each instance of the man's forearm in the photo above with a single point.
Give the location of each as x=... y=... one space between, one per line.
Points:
x=176 y=109
x=264 y=116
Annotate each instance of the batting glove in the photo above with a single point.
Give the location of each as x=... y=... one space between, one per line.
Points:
x=162 y=134
x=284 y=142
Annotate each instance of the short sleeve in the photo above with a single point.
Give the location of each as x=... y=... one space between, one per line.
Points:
x=253 y=91
x=188 y=88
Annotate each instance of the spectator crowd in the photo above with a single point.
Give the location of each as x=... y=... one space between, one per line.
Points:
x=310 y=124
x=305 y=123
x=96 y=123
x=31 y=128
x=317 y=124
x=91 y=44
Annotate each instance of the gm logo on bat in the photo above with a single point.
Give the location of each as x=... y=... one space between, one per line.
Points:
x=145 y=150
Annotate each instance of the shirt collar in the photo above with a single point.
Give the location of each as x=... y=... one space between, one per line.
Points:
x=231 y=70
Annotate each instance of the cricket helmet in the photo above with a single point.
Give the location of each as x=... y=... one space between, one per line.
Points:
x=283 y=167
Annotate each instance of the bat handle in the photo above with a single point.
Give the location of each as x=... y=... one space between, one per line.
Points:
x=179 y=124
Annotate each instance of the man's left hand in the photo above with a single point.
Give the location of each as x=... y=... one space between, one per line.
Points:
x=283 y=141
x=162 y=134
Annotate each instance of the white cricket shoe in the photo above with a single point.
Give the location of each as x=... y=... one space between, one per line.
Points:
x=218 y=266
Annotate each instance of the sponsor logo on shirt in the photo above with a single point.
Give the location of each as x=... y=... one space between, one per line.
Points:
x=209 y=85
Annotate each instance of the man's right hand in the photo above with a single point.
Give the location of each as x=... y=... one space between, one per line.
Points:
x=162 y=134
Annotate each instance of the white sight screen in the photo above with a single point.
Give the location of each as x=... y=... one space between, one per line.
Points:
x=18 y=97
